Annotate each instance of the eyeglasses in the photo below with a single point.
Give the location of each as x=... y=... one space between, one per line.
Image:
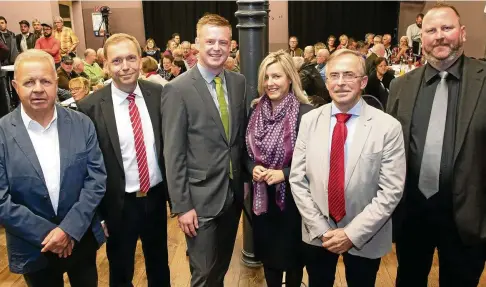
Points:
x=347 y=77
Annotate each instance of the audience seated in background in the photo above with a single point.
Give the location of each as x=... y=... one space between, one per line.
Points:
x=100 y=57
x=165 y=69
x=189 y=58
x=149 y=71
x=151 y=50
x=65 y=72
x=91 y=68
x=79 y=88
x=178 y=67
x=78 y=67
x=231 y=66
x=379 y=84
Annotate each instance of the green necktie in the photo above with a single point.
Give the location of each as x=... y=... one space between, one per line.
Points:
x=223 y=111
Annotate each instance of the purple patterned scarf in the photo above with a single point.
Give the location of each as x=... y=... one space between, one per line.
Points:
x=270 y=140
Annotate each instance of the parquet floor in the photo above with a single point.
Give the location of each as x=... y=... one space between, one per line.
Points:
x=238 y=275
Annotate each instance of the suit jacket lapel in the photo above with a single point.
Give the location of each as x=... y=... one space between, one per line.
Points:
x=202 y=88
x=21 y=137
x=322 y=133
x=473 y=76
x=361 y=132
x=232 y=106
x=110 y=123
x=64 y=131
x=154 y=112
x=407 y=95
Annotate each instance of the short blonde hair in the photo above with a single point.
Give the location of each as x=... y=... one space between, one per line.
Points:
x=285 y=60
x=34 y=55
x=342 y=52
x=118 y=38
x=35 y=21
x=212 y=20
x=58 y=18
x=80 y=81
x=149 y=64
x=344 y=36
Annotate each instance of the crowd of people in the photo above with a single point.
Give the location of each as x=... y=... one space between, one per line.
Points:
x=341 y=178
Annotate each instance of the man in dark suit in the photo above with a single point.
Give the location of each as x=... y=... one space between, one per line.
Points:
x=126 y=115
x=25 y=40
x=52 y=178
x=203 y=113
x=442 y=110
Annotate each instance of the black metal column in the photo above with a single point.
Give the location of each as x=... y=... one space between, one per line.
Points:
x=266 y=36
x=251 y=25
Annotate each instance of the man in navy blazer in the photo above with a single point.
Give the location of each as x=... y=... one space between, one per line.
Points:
x=52 y=178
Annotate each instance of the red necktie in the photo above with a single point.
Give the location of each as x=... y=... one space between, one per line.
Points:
x=337 y=207
x=143 y=173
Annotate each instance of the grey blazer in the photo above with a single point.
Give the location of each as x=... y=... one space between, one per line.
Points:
x=196 y=150
x=374 y=179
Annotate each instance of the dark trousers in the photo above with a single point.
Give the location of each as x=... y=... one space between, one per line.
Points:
x=211 y=250
x=321 y=267
x=144 y=217
x=459 y=264
x=293 y=277
x=80 y=267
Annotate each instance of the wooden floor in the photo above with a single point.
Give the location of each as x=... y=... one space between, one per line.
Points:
x=238 y=275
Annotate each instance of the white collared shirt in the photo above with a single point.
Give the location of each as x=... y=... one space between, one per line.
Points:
x=46 y=146
x=127 y=139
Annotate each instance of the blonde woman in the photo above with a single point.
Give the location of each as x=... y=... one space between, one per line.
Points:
x=79 y=88
x=270 y=139
x=343 y=42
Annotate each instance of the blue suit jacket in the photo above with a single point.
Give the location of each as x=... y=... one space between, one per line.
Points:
x=25 y=206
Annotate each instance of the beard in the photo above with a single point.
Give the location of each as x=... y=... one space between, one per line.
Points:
x=419 y=25
x=455 y=51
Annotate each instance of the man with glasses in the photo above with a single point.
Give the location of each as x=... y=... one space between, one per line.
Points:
x=347 y=177
x=65 y=35
x=49 y=44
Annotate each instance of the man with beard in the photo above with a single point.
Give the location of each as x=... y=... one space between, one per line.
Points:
x=25 y=40
x=49 y=44
x=413 y=33
x=441 y=108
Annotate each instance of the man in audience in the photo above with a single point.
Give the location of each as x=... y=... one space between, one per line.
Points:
x=230 y=65
x=65 y=72
x=309 y=54
x=293 y=50
x=126 y=114
x=177 y=39
x=322 y=56
x=414 y=32
x=8 y=38
x=91 y=68
x=440 y=106
x=388 y=48
x=378 y=50
x=78 y=68
x=69 y=41
x=234 y=49
x=49 y=44
x=378 y=39
x=25 y=40
x=189 y=59
x=100 y=57
x=52 y=178
x=347 y=203
x=206 y=188
x=36 y=25
x=369 y=39
x=362 y=48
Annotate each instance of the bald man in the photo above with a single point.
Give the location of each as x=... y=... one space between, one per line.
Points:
x=91 y=68
x=52 y=179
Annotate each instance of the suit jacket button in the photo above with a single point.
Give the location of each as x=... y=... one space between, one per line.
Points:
x=46 y=197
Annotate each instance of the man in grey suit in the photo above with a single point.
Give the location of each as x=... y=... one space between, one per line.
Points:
x=347 y=177
x=203 y=113
x=52 y=178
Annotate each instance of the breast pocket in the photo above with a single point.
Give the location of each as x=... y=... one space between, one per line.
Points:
x=370 y=163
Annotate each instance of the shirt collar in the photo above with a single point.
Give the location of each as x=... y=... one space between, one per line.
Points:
x=455 y=70
x=208 y=76
x=28 y=120
x=119 y=96
x=355 y=111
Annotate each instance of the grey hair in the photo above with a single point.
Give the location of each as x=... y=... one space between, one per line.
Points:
x=33 y=55
x=58 y=18
x=342 y=52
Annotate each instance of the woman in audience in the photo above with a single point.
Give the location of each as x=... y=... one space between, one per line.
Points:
x=166 y=66
x=331 y=40
x=343 y=42
x=151 y=50
x=270 y=139
x=402 y=51
x=379 y=84
x=79 y=88
x=149 y=71
x=171 y=46
x=362 y=48
x=178 y=67
x=318 y=46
